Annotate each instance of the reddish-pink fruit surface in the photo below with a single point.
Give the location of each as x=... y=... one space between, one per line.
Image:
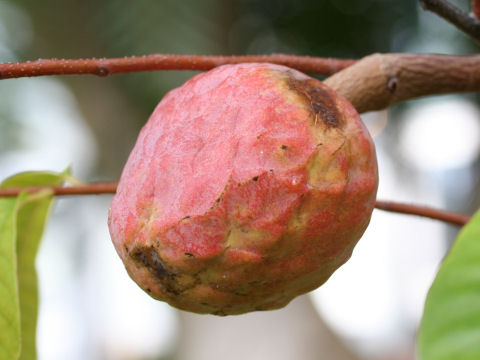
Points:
x=249 y=185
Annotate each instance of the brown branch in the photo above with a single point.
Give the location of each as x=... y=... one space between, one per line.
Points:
x=446 y=216
x=372 y=83
x=87 y=189
x=103 y=67
x=381 y=80
x=111 y=187
x=468 y=24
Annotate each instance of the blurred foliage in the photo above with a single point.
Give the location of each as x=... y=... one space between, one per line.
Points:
x=343 y=28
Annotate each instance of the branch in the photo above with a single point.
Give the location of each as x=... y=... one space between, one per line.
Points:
x=87 y=189
x=111 y=187
x=468 y=24
x=372 y=83
x=446 y=216
x=104 y=67
x=381 y=80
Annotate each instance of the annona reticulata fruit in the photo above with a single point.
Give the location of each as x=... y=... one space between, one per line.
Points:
x=249 y=185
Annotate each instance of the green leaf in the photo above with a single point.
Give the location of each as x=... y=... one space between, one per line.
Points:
x=9 y=303
x=36 y=178
x=30 y=224
x=450 y=327
x=25 y=218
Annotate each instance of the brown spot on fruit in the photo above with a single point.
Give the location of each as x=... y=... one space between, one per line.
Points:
x=319 y=100
x=148 y=256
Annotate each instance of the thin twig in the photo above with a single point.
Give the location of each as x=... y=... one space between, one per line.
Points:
x=111 y=187
x=372 y=83
x=446 y=216
x=104 y=67
x=93 y=188
x=468 y=24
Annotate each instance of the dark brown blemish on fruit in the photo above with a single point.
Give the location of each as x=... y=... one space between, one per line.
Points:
x=255 y=178
x=284 y=147
x=190 y=255
x=319 y=100
x=148 y=256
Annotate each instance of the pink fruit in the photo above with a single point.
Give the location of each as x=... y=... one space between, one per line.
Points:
x=249 y=185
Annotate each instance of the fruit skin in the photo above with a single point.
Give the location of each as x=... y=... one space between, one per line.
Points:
x=249 y=185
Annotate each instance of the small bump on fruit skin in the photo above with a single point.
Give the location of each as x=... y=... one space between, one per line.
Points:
x=249 y=185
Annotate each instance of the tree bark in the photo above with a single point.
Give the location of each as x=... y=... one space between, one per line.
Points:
x=381 y=80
